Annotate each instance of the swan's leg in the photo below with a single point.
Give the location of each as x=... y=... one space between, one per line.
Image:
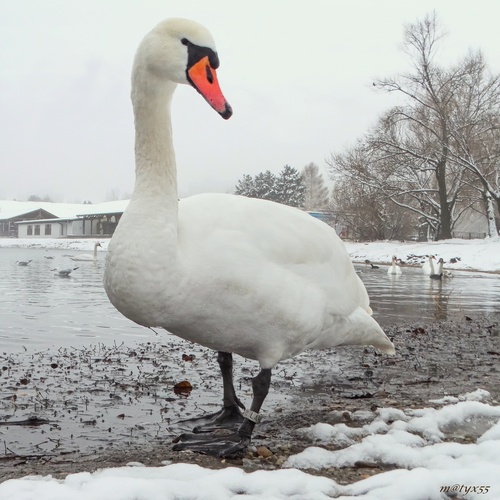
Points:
x=229 y=417
x=231 y=445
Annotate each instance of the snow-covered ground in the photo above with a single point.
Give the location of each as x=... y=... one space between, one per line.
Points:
x=451 y=447
x=415 y=441
x=480 y=255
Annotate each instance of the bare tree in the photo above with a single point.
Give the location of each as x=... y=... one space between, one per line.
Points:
x=115 y=194
x=316 y=193
x=373 y=195
x=34 y=197
x=429 y=92
x=447 y=126
x=475 y=132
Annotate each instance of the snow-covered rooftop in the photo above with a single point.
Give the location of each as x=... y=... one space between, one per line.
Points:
x=10 y=208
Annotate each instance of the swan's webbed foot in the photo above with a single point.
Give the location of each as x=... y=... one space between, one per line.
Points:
x=228 y=418
x=221 y=445
x=228 y=445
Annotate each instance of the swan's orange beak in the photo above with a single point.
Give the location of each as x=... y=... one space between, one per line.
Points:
x=204 y=79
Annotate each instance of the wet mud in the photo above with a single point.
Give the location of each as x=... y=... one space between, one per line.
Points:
x=73 y=410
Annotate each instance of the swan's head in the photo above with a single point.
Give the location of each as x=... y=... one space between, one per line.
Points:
x=182 y=51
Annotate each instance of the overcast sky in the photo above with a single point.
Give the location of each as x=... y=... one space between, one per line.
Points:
x=297 y=73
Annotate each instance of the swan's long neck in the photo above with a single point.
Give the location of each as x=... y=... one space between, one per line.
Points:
x=156 y=174
x=431 y=264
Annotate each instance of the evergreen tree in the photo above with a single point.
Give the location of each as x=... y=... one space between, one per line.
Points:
x=316 y=193
x=290 y=188
x=265 y=186
x=246 y=187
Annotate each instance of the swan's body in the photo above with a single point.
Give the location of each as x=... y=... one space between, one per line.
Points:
x=234 y=274
x=87 y=256
x=428 y=266
x=394 y=268
x=235 y=256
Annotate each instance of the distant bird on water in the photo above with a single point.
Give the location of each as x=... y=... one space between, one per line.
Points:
x=87 y=256
x=394 y=269
x=64 y=273
x=373 y=265
x=23 y=262
x=440 y=272
x=428 y=266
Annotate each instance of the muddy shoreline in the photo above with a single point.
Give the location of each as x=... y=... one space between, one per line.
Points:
x=105 y=407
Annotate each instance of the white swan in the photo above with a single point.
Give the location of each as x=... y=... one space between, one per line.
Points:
x=428 y=266
x=235 y=274
x=394 y=268
x=87 y=256
x=440 y=272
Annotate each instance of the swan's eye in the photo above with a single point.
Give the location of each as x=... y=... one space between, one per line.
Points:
x=196 y=53
x=210 y=77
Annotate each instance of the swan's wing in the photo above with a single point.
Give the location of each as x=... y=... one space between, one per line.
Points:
x=285 y=248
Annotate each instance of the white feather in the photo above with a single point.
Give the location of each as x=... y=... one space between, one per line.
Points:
x=234 y=274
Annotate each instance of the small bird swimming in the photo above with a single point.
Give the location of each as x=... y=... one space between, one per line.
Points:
x=64 y=273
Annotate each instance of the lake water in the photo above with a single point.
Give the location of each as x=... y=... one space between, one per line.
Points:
x=413 y=296
x=39 y=309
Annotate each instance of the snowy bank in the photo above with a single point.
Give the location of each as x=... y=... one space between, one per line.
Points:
x=416 y=441
x=479 y=255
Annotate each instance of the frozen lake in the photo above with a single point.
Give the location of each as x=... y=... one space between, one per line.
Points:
x=39 y=309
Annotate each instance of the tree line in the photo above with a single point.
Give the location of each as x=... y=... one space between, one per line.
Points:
x=434 y=158
x=305 y=189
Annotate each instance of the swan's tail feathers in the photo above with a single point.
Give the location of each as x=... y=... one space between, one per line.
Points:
x=362 y=329
x=386 y=347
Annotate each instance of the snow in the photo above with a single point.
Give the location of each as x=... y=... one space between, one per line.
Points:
x=425 y=445
x=479 y=255
x=413 y=440
x=12 y=208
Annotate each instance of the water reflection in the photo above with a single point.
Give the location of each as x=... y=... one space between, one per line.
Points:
x=38 y=308
x=414 y=296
